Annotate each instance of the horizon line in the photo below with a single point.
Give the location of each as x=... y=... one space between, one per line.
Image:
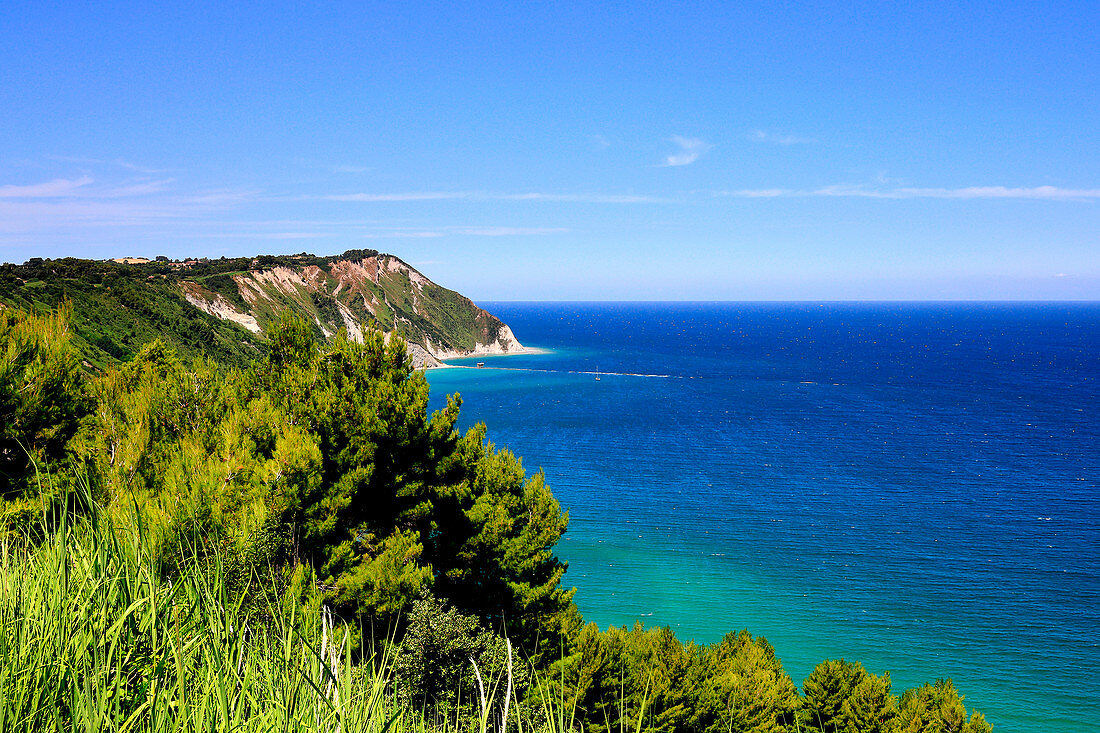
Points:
x=816 y=301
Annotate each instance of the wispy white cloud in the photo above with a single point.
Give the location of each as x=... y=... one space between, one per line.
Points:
x=49 y=189
x=219 y=198
x=755 y=193
x=53 y=216
x=264 y=234
x=462 y=230
x=409 y=196
x=761 y=136
x=76 y=203
x=969 y=192
x=590 y=198
x=1053 y=193
x=690 y=150
x=85 y=187
x=508 y=231
x=403 y=234
x=113 y=203
x=115 y=163
x=1002 y=192
x=582 y=198
x=133 y=188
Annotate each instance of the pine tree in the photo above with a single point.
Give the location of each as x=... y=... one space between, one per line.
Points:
x=42 y=402
x=938 y=708
x=870 y=708
x=744 y=688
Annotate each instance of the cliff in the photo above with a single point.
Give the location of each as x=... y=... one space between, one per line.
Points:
x=220 y=308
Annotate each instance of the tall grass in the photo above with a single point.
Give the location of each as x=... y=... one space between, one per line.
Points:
x=94 y=638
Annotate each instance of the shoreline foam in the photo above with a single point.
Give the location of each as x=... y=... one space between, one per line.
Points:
x=522 y=351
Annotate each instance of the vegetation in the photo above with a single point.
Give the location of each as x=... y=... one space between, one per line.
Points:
x=328 y=456
x=42 y=403
x=93 y=638
x=297 y=544
x=117 y=308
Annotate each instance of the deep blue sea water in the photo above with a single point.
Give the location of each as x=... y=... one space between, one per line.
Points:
x=913 y=486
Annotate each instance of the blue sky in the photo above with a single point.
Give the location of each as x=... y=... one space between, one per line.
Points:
x=557 y=151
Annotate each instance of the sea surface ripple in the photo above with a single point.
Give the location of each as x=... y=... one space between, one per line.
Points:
x=913 y=486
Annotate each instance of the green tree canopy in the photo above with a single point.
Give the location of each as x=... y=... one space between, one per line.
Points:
x=320 y=462
x=326 y=454
x=938 y=708
x=743 y=687
x=42 y=401
x=842 y=697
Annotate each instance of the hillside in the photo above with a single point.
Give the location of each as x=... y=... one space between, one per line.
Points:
x=220 y=308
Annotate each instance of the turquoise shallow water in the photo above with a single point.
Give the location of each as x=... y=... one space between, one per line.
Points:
x=910 y=485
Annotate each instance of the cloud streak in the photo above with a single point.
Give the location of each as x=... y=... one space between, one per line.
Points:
x=690 y=150
x=116 y=163
x=409 y=196
x=467 y=231
x=103 y=209
x=1048 y=193
x=329 y=229
x=497 y=231
x=397 y=197
x=58 y=187
x=760 y=136
x=84 y=188
x=73 y=204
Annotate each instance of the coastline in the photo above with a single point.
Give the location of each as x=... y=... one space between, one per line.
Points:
x=522 y=351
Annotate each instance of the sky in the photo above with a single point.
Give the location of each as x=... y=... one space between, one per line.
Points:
x=570 y=151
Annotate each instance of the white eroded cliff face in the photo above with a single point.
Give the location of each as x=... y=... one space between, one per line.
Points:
x=377 y=291
x=504 y=343
x=217 y=305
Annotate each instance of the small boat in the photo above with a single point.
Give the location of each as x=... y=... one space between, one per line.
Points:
x=597 y=374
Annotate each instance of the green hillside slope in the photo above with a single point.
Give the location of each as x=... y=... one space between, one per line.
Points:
x=220 y=308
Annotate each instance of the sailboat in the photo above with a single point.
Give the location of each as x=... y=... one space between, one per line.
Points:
x=597 y=373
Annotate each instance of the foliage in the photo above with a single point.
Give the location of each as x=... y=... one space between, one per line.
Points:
x=327 y=454
x=42 y=402
x=118 y=308
x=619 y=677
x=404 y=491
x=93 y=638
x=447 y=660
x=224 y=508
x=742 y=687
x=616 y=678
x=938 y=708
x=498 y=552
x=842 y=697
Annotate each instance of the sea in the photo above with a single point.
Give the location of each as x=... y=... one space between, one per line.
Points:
x=910 y=485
